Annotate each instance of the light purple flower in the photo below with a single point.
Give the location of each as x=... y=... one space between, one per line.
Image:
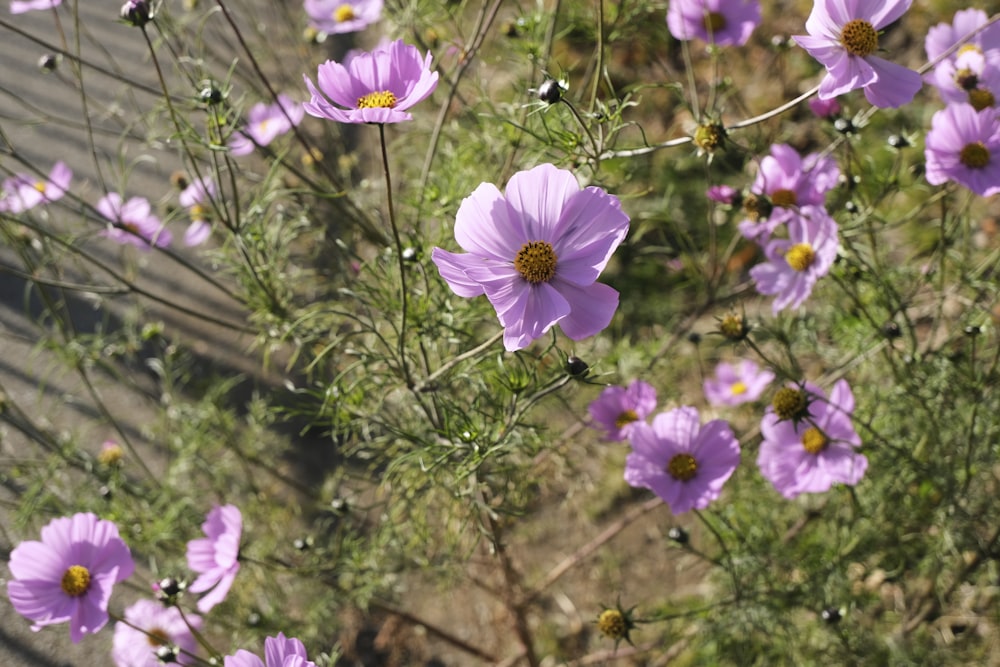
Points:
x=733 y=385
x=843 y=35
x=681 y=461
x=21 y=192
x=723 y=22
x=265 y=123
x=336 y=16
x=618 y=409
x=148 y=626
x=22 y=6
x=959 y=74
x=724 y=194
x=795 y=264
x=375 y=87
x=133 y=222
x=279 y=651
x=68 y=576
x=192 y=198
x=814 y=453
x=216 y=557
x=536 y=253
x=825 y=108
x=963 y=145
x=789 y=181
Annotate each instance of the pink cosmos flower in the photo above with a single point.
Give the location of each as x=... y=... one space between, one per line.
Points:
x=722 y=22
x=149 y=626
x=724 y=194
x=962 y=73
x=681 y=461
x=618 y=409
x=825 y=108
x=536 y=253
x=265 y=123
x=192 y=198
x=843 y=35
x=733 y=385
x=375 y=87
x=22 y=6
x=279 y=651
x=216 y=557
x=795 y=264
x=68 y=576
x=789 y=181
x=336 y=16
x=133 y=222
x=963 y=145
x=21 y=192
x=814 y=453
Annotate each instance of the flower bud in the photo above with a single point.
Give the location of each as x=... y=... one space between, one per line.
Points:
x=550 y=91
x=136 y=12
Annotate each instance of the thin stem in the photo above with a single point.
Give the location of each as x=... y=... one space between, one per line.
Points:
x=403 y=291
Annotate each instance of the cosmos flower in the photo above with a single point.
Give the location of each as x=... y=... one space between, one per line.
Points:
x=733 y=385
x=22 y=6
x=789 y=181
x=811 y=454
x=266 y=122
x=279 y=651
x=216 y=556
x=69 y=574
x=681 y=461
x=963 y=145
x=149 y=626
x=843 y=36
x=723 y=194
x=374 y=87
x=722 y=22
x=336 y=16
x=192 y=198
x=795 y=264
x=618 y=409
x=970 y=73
x=21 y=192
x=133 y=222
x=536 y=252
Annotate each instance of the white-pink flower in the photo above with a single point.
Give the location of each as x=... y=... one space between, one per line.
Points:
x=216 y=556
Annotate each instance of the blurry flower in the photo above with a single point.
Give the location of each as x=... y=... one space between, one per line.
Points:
x=814 y=453
x=825 y=108
x=216 y=557
x=266 y=122
x=962 y=72
x=963 y=145
x=724 y=194
x=20 y=7
x=681 y=461
x=789 y=182
x=193 y=198
x=375 y=87
x=136 y=12
x=722 y=22
x=733 y=385
x=536 y=252
x=795 y=264
x=133 y=222
x=843 y=35
x=334 y=16
x=111 y=453
x=618 y=409
x=279 y=651
x=149 y=625
x=22 y=192
x=68 y=576
x=616 y=623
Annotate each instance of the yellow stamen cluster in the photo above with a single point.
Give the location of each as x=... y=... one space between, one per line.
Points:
x=75 y=581
x=980 y=99
x=344 y=13
x=975 y=155
x=813 y=440
x=40 y=186
x=738 y=388
x=734 y=327
x=383 y=99
x=789 y=403
x=709 y=137
x=626 y=418
x=859 y=38
x=536 y=262
x=682 y=467
x=612 y=624
x=800 y=256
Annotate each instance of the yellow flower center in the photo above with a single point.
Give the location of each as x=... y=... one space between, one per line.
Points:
x=382 y=99
x=738 y=388
x=626 y=418
x=785 y=198
x=813 y=440
x=682 y=467
x=714 y=22
x=789 y=403
x=157 y=637
x=344 y=13
x=733 y=327
x=859 y=38
x=197 y=212
x=75 y=581
x=966 y=48
x=709 y=136
x=800 y=256
x=612 y=624
x=975 y=155
x=980 y=99
x=40 y=186
x=536 y=262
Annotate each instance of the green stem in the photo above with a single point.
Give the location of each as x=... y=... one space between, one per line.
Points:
x=403 y=291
